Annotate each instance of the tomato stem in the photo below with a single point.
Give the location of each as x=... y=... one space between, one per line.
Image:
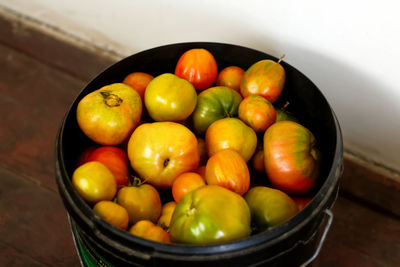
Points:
x=111 y=100
x=279 y=61
x=136 y=181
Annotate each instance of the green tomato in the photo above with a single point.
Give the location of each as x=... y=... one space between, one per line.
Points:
x=269 y=207
x=285 y=116
x=209 y=215
x=213 y=104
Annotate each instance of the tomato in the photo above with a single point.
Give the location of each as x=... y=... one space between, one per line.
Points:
x=170 y=98
x=185 y=183
x=112 y=213
x=230 y=77
x=83 y=157
x=228 y=169
x=231 y=133
x=257 y=112
x=202 y=151
x=148 y=230
x=269 y=207
x=198 y=66
x=291 y=158
x=166 y=215
x=213 y=104
x=265 y=78
x=210 y=214
x=302 y=202
x=258 y=159
x=202 y=171
x=110 y=114
x=142 y=201
x=94 y=182
x=138 y=81
x=115 y=159
x=161 y=151
x=282 y=115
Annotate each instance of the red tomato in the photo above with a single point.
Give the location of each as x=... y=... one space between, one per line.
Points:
x=185 y=183
x=228 y=169
x=230 y=77
x=116 y=161
x=302 y=202
x=197 y=66
x=138 y=81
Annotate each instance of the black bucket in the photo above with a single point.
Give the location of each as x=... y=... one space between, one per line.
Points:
x=292 y=243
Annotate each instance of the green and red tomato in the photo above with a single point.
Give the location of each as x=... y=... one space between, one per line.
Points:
x=213 y=104
x=208 y=215
x=264 y=78
x=291 y=158
x=269 y=207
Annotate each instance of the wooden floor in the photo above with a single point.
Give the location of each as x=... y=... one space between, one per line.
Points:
x=34 y=231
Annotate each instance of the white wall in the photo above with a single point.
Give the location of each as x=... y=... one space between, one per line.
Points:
x=350 y=49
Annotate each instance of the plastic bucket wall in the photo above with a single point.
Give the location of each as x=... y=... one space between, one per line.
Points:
x=290 y=244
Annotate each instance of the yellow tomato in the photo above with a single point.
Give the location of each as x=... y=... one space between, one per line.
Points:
x=142 y=202
x=94 y=182
x=161 y=151
x=112 y=213
x=147 y=229
x=170 y=98
x=109 y=115
x=166 y=214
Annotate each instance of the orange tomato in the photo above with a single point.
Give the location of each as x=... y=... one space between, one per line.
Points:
x=112 y=213
x=257 y=112
x=166 y=215
x=148 y=230
x=161 y=151
x=185 y=183
x=110 y=114
x=198 y=66
x=202 y=171
x=142 y=202
x=138 y=81
x=228 y=169
x=231 y=133
x=230 y=77
x=94 y=182
x=115 y=159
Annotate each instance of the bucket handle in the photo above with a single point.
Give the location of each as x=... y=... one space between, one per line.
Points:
x=322 y=240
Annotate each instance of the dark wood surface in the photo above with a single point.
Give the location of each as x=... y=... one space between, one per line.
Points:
x=34 y=231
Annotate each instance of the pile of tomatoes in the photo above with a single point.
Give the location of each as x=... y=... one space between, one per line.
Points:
x=199 y=135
